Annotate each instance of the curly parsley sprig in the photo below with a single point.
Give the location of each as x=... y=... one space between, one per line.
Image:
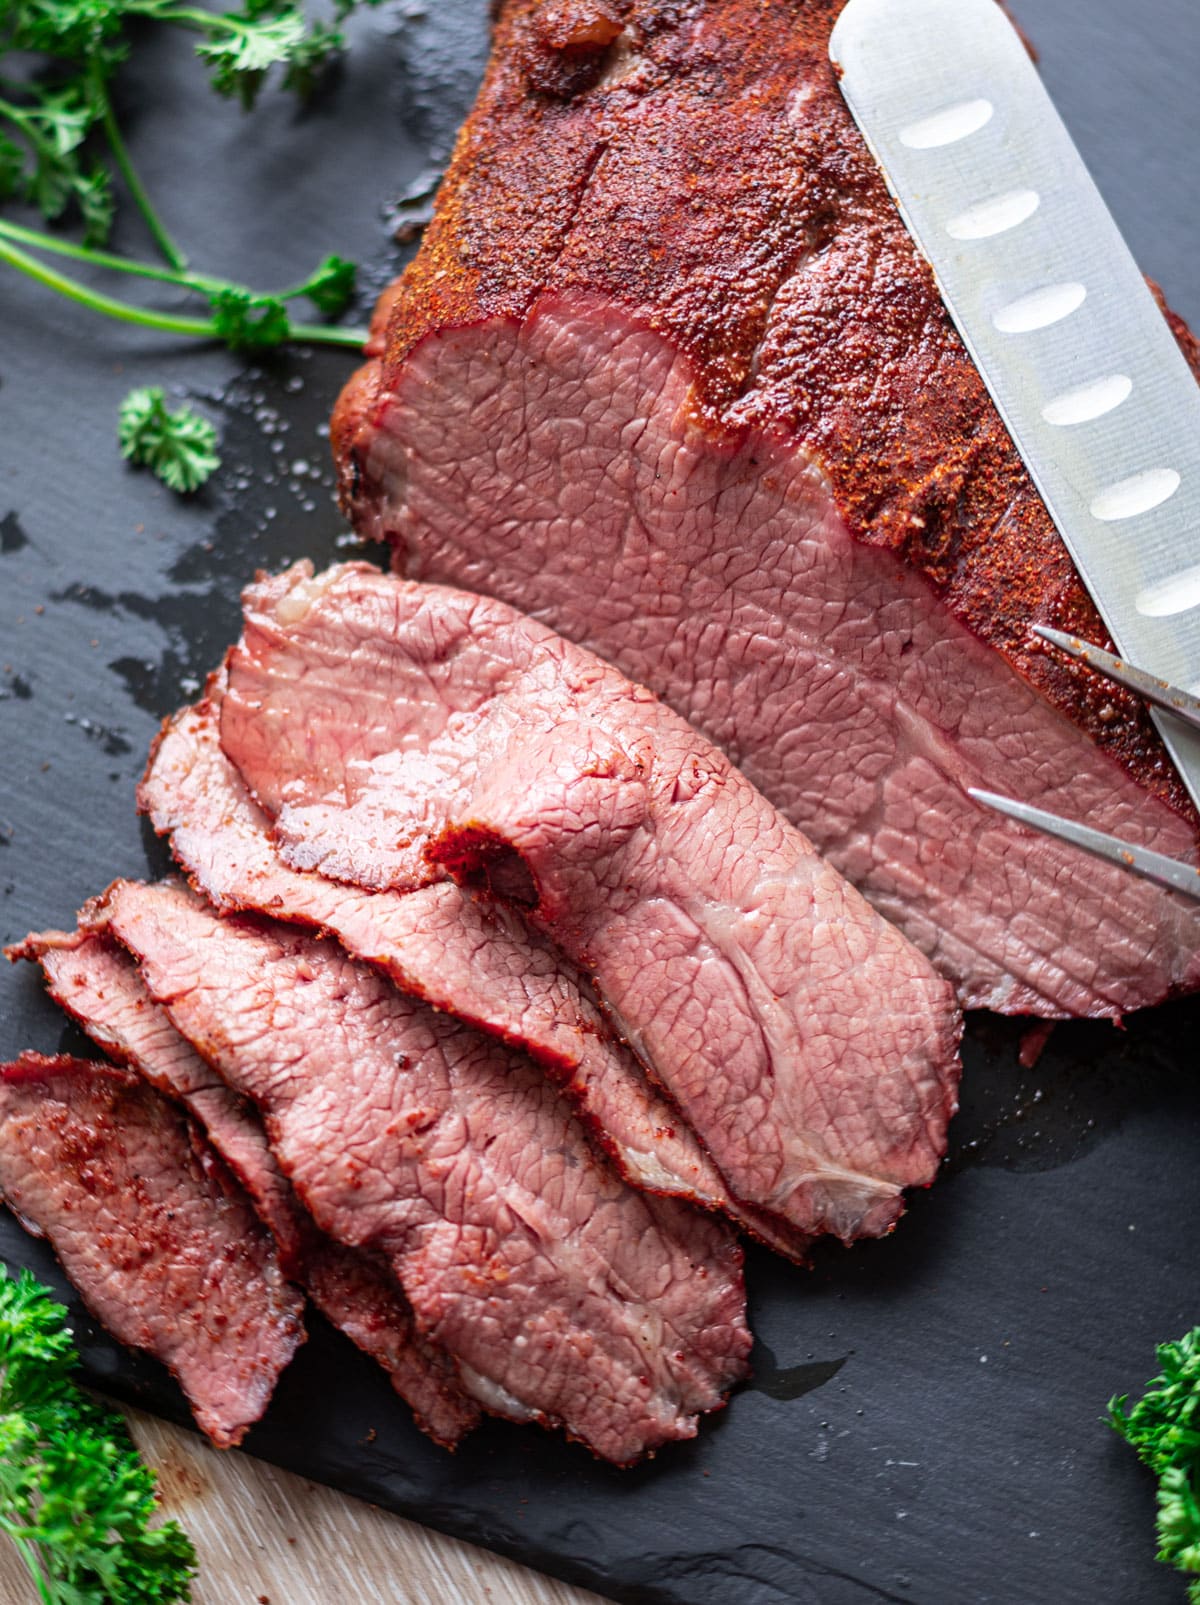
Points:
x=76 y=1499
x=1164 y=1427
x=180 y=446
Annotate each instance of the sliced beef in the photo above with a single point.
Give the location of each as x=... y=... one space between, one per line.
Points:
x=152 y=1229
x=98 y=983
x=810 y=1046
x=90 y=976
x=564 y=1295
x=752 y=465
x=482 y=965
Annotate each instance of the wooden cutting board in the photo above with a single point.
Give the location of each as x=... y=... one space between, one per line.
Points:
x=266 y=1537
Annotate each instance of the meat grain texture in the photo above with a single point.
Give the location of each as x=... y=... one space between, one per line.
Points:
x=484 y=966
x=152 y=1229
x=669 y=375
x=563 y=1295
x=397 y=730
x=98 y=984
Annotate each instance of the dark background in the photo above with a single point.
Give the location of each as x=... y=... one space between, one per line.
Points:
x=925 y=1424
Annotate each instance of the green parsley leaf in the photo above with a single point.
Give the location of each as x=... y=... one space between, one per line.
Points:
x=94 y=197
x=248 y=322
x=51 y=185
x=70 y=30
x=332 y=286
x=65 y=117
x=239 y=60
x=74 y=1493
x=180 y=447
x=36 y=1354
x=1164 y=1427
x=54 y=131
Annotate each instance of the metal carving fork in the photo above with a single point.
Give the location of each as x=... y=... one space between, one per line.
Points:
x=1182 y=705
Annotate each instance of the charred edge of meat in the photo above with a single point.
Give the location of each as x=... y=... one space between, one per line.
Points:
x=486 y=864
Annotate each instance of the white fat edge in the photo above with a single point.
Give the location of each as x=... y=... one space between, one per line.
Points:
x=493 y=1397
x=647 y=1170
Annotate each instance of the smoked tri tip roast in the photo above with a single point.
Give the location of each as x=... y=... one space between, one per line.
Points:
x=754 y=468
x=480 y=964
x=396 y=732
x=545 y=1291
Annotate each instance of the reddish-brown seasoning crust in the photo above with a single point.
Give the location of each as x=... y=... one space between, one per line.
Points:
x=701 y=168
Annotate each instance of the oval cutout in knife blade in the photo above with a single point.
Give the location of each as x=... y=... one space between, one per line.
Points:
x=949 y=126
x=996 y=215
x=1040 y=308
x=1130 y=498
x=1168 y=597
x=1085 y=402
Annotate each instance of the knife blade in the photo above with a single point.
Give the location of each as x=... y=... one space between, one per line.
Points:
x=1078 y=358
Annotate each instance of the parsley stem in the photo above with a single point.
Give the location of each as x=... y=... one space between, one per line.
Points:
x=188 y=17
x=200 y=283
x=116 y=143
x=110 y=307
x=326 y=334
x=106 y=259
x=106 y=304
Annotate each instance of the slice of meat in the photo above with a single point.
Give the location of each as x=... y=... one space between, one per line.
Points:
x=565 y=1296
x=669 y=375
x=152 y=1229
x=809 y=1045
x=98 y=983
x=482 y=965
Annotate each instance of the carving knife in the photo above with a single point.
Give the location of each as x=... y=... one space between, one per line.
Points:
x=1090 y=383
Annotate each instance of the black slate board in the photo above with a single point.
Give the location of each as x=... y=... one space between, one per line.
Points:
x=925 y=1420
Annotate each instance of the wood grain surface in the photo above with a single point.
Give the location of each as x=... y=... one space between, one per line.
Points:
x=266 y=1537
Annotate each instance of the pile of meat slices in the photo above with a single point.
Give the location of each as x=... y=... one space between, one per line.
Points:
x=495 y=1001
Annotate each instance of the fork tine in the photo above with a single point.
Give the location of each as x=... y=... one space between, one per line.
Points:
x=1156 y=867
x=1171 y=699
